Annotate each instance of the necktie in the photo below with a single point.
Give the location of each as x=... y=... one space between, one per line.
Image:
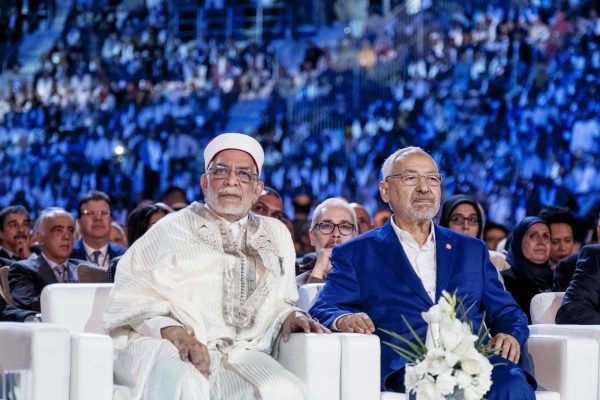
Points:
x=96 y=257
x=61 y=273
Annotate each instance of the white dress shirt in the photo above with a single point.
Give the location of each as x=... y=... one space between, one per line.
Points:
x=103 y=259
x=421 y=258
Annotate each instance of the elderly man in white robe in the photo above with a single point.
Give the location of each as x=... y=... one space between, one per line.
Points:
x=200 y=299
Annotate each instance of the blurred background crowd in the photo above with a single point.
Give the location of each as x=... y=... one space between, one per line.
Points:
x=120 y=96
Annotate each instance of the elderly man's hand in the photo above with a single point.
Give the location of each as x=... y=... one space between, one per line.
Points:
x=508 y=345
x=355 y=323
x=323 y=263
x=300 y=322
x=22 y=249
x=189 y=348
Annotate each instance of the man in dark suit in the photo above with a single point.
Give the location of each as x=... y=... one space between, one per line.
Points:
x=94 y=217
x=566 y=267
x=402 y=268
x=14 y=234
x=582 y=298
x=12 y=313
x=28 y=278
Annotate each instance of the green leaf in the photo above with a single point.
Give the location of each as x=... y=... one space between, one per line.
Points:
x=415 y=348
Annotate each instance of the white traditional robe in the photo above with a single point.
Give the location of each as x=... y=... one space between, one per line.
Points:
x=188 y=268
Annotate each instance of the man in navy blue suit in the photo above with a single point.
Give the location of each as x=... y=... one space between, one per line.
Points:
x=94 y=218
x=402 y=268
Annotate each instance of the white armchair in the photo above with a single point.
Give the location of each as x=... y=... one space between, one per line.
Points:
x=565 y=367
x=313 y=358
x=79 y=308
x=544 y=306
x=44 y=350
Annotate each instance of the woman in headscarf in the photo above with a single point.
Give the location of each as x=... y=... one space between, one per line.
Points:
x=528 y=255
x=462 y=214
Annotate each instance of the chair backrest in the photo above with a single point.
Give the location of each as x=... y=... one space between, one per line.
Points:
x=544 y=307
x=89 y=273
x=78 y=307
x=4 y=286
x=307 y=295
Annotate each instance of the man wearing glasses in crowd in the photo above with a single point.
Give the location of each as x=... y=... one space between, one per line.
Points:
x=402 y=268
x=333 y=222
x=94 y=218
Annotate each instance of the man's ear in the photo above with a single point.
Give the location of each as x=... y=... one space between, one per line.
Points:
x=204 y=184
x=384 y=188
x=260 y=185
x=313 y=240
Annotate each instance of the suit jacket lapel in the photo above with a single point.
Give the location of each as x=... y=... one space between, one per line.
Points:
x=444 y=257
x=45 y=271
x=394 y=256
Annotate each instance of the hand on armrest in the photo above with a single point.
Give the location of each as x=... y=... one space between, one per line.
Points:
x=189 y=348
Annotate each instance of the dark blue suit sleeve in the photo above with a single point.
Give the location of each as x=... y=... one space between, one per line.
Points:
x=341 y=294
x=502 y=311
x=25 y=291
x=582 y=298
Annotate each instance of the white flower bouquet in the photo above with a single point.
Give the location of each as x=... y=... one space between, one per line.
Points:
x=453 y=362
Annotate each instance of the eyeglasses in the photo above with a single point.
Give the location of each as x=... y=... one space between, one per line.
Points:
x=90 y=213
x=327 y=228
x=223 y=172
x=459 y=220
x=413 y=179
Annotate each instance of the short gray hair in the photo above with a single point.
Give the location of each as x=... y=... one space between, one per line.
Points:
x=388 y=164
x=334 y=201
x=49 y=213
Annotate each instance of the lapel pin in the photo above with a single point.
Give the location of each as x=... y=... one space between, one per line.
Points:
x=448 y=246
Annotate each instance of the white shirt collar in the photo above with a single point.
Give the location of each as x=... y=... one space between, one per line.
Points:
x=103 y=259
x=421 y=258
x=51 y=263
x=90 y=250
x=406 y=237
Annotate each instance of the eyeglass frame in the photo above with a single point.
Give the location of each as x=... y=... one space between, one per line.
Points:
x=463 y=219
x=318 y=227
x=400 y=175
x=229 y=170
x=90 y=213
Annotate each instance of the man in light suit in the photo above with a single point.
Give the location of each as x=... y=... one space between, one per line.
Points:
x=94 y=219
x=28 y=278
x=401 y=269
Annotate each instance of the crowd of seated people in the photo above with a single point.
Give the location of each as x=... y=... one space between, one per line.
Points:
x=34 y=251
x=122 y=109
x=514 y=104
x=113 y=81
x=18 y=18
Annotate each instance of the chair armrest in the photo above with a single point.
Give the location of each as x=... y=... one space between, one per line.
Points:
x=567 y=365
x=307 y=295
x=91 y=367
x=361 y=366
x=315 y=359
x=45 y=350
